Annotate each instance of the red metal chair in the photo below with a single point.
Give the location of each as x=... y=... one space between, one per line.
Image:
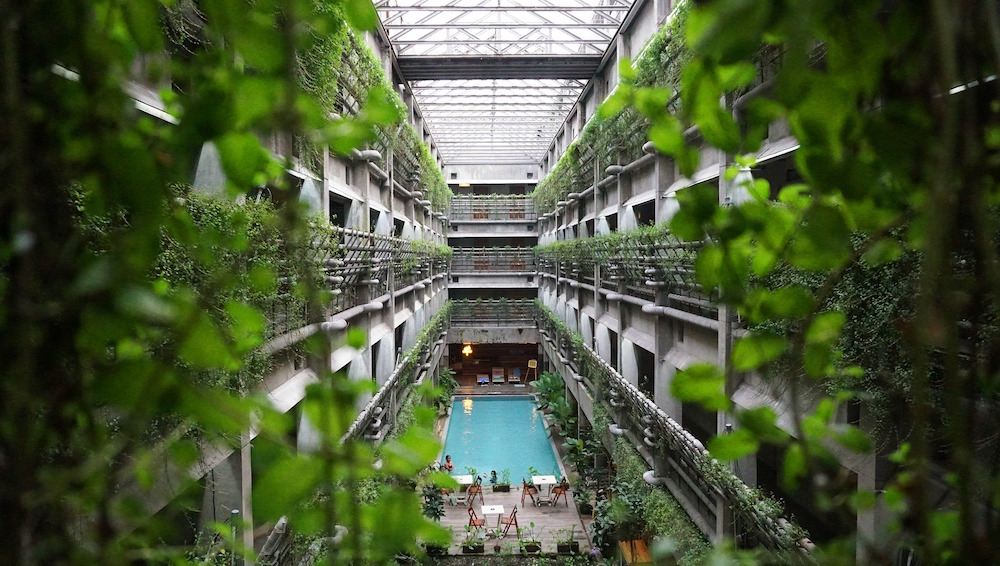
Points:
x=512 y=520
x=475 y=521
x=561 y=490
x=476 y=489
x=529 y=490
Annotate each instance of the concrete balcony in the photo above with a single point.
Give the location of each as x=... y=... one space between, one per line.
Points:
x=477 y=217
x=493 y=268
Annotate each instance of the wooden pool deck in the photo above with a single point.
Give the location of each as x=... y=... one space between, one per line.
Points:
x=553 y=521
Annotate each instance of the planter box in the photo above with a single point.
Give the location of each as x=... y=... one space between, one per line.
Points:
x=585 y=508
x=434 y=550
x=571 y=548
x=531 y=548
x=500 y=488
x=477 y=549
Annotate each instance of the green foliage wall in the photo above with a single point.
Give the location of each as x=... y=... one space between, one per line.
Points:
x=346 y=76
x=616 y=134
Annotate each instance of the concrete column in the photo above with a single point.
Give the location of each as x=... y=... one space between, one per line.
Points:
x=227 y=489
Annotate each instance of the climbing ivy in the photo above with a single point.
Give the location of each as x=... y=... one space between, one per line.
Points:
x=615 y=135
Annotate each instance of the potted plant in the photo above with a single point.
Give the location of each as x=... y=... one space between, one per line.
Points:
x=433 y=506
x=582 y=497
x=503 y=482
x=530 y=539
x=497 y=536
x=436 y=548
x=565 y=543
x=472 y=543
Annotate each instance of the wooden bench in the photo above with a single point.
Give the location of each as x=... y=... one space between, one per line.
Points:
x=635 y=552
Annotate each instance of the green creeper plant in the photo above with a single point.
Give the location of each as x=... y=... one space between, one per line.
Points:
x=893 y=107
x=95 y=348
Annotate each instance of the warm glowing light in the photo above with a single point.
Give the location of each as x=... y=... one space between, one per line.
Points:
x=467 y=350
x=467 y=406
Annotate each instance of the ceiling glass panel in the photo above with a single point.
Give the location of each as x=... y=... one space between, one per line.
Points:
x=495 y=79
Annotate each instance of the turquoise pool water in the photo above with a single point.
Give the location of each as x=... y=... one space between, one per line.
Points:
x=497 y=433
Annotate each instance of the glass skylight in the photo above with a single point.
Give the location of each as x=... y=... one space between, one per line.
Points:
x=495 y=79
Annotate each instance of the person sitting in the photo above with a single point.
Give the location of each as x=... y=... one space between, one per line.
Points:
x=448 y=465
x=493 y=477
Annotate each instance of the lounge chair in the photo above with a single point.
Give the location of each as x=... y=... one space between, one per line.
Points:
x=474 y=520
x=529 y=490
x=482 y=379
x=515 y=376
x=511 y=520
x=498 y=376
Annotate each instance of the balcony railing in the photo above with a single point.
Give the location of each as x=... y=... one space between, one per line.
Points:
x=516 y=208
x=379 y=415
x=357 y=265
x=687 y=468
x=492 y=260
x=518 y=313
x=642 y=260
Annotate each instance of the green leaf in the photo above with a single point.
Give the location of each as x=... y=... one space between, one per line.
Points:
x=615 y=103
x=248 y=325
x=703 y=384
x=143 y=20
x=825 y=329
x=254 y=98
x=142 y=303
x=361 y=14
x=762 y=422
x=261 y=46
x=824 y=240
x=794 y=468
x=284 y=485
x=625 y=69
x=734 y=445
x=787 y=302
x=380 y=107
x=863 y=500
x=652 y=101
x=728 y=32
x=757 y=349
x=852 y=438
x=345 y=134
x=242 y=157
x=883 y=251
x=204 y=347
x=698 y=205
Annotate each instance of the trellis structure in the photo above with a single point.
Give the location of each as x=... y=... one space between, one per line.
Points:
x=504 y=208
x=638 y=262
x=492 y=260
x=360 y=266
x=467 y=313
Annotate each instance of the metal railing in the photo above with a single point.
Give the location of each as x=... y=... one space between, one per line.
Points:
x=685 y=466
x=477 y=313
x=492 y=260
x=637 y=262
x=357 y=265
x=518 y=208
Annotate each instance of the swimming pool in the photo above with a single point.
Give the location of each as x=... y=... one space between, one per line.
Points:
x=498 y=433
